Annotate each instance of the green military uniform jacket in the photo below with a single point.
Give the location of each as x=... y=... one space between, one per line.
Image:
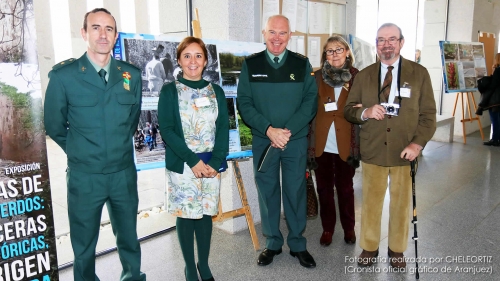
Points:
x=93 y=123
x=282 y=95
x=381 y=142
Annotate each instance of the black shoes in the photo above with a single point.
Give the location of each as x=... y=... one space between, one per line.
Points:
x=305 y=259
x=492 y=143
x=209 y=279
x=266 y=257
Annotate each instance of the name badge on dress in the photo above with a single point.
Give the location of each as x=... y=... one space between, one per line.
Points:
x=201 y=102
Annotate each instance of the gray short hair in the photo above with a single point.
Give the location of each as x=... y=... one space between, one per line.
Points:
x=277 y=16
x=390 y=24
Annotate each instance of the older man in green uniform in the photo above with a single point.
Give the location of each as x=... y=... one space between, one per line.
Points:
x=277 y=99
x=92 y=108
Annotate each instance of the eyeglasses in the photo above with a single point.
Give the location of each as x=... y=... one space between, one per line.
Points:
x=280 y=34
x=330 y=52
x=391 y=41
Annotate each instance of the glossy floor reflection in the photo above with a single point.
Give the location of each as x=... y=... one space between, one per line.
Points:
x=458 y=205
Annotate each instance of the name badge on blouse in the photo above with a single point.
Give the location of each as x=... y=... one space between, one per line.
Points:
x=330 y=106
x=201 y=102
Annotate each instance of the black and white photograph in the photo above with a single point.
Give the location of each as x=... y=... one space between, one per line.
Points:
x=158 y=61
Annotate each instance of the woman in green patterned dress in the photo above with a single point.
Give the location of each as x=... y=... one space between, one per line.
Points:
x=193 y=118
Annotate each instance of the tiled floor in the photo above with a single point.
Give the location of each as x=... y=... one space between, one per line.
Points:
x=458 y=205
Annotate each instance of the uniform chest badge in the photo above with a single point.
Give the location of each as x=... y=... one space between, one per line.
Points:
x=126 y=80
x=292 y=77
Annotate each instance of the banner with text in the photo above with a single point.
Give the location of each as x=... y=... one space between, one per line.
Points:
x=27 y=239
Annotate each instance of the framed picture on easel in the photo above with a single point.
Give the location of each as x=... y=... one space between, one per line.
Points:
x=463 y=64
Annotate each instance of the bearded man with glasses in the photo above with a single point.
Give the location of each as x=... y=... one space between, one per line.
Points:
x=389 y=142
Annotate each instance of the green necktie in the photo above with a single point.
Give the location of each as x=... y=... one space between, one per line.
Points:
x=276 y=59
x=102 y=74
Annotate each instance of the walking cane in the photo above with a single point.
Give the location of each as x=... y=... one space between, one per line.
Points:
x=414 y=221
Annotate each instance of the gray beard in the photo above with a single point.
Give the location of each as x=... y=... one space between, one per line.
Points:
x=388 y=56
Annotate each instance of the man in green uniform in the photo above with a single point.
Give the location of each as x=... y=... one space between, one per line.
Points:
x=277 y=99
x=92 y=107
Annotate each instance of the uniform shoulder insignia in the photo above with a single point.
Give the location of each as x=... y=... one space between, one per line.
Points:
x=64 y=63
x=254 y=55
x=299 y=55
x=129 y=64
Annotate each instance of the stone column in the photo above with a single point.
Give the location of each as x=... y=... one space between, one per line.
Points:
x=44 y=42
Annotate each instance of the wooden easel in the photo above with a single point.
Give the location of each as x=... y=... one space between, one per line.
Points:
x=244 y=210
x=463 y=120
x=196 y=25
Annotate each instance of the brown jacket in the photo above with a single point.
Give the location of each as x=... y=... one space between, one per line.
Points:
x=383 y=141
x=324 y=119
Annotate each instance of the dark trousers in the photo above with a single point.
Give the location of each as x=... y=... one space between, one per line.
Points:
x=333 y=171
x=87 y=194
x=495 y=124
x=292 y=162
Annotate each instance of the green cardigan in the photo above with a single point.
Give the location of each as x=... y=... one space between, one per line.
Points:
x=176 y=151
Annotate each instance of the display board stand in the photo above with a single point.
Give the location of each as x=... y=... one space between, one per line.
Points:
x=245 y=208
x=463 y=120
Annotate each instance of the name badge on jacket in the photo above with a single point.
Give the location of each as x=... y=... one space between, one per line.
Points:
x=330 y=106
x=405 y=91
